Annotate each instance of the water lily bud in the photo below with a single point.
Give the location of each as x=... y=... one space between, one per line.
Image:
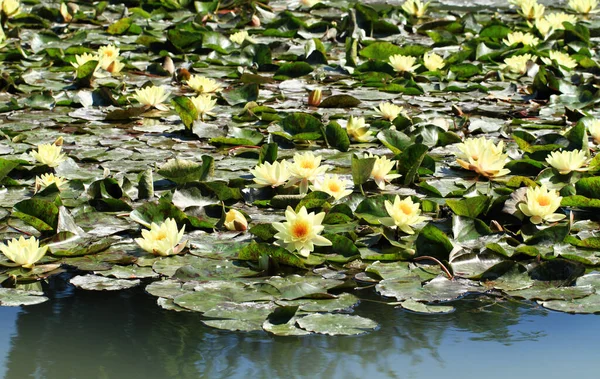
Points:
x=315 y=97
x=255 y=21
x=235 y=220
x=168 y=65
x=183 y=75
x=64 y=12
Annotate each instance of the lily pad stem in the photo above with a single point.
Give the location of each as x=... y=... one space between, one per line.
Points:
x=427 y=257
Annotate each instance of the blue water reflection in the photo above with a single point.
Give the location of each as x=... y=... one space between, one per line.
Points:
x=82 y=334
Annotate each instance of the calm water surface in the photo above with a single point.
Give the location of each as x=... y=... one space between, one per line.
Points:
x=81 y=334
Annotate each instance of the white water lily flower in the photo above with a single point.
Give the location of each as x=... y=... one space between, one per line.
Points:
x=115 y=67
x=483 y=157
x=240 y=37
x=162 y=239
x=271 y=175
x=567 y=161
x=473 y=148
x=300 y=232
x=152 y=96
x=594 y=129
x=107 y=54
x=526 y=39
x=404 y=214
x=381 y=170
x=23 y=252
x=202 y=84
x=415 y=8
x=541 y=205
x=84 y=58
x=517 y=63
x=557 y=19
x=204 y=105
x=235 y=220
x=562 y=59
x=305 y=168
x=403 y=63
x=433 y=62
x=11 y=7
x=543 y=26
x=531 y=9
x=50 y=155
x=334 y=186
x=358 y=130
x=583 y=6
x=45 y=180
x=389 y=111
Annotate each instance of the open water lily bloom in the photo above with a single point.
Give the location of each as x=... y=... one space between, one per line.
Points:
x=50 y=155
x=517 y=63
x=415 y=8
x=541 y=204
x=45 y=180
x=84 y=58
x=240 y=37
x=557 y=19
x=300 y=232
x=433 y=62
x=403 y=63
x=381 y=170
x=305 y=168
x=389 y=111
x=403 y=214
x=526 y=39
x=334 y=186
x=202 y=84
x=358 y=130
x=163 y=239
x=271 y=174
x=24 y=252
x=531 y=9
x=483 y=157
x=562 y=59
x=204 y=105
x=567 y=161
x=583 y=6
x=153 y=96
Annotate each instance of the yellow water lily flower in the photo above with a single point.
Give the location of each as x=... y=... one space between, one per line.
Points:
x=404 y=214
x=557 y=19
x=415 y=8
x=50 y=155
x=84 y=58
x=433 y=62
x=300 y=232
x=403 y=63
x=389 y=111
x=583 y=6
x=23 y=252
x=107 y=54
x=235 y=220
x=543 y=26
x=531 y=9
x=240 y=37
x=45 y=180
x=594 y=129
x=202 y=84
x=562 y=59
x=204 y=105
x=11 y=7
x=305 y=168
x=381 y=170
x=567 y=161
x=358 y=130
x=334 y=186
x=517 y=63
x=314 y=97
x=526 y=39
x=163 y=239
x=152 y=96
x=115 y=67
x=541 y=205
x=483 y=157
x=271 y=174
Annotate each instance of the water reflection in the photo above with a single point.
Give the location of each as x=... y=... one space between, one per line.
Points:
x=82 y=334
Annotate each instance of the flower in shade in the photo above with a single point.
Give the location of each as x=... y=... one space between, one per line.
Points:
x=531 y=9
x=404 y=214
x=594 y=129
x=152 y=96
x=583 y=6
x=163 y=239
x=566 y=161
x=271 y=175
x=433 y=62
x=403 y=63
x=517 y=63
x=240 y=37
x=235 y=220
x=50 y=155
x=415 y=8
x=389 y=111
x=46 y=180
x=204 y=105
x=562 y=59
x=334 y=186
x=557 y=19
x=358 y=130
x=202 y=84
x=300 y=232
x=381 y=170
x=304 y=169
x=23 y=252
x=526 y=39
x=483 y=157
x=541 y=204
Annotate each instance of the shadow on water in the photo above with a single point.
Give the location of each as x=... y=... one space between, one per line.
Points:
x=81 y=334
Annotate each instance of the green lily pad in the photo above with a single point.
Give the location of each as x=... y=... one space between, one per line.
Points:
x=11 y=297
x=336 y=324
x=418 y=307
x=100 y=283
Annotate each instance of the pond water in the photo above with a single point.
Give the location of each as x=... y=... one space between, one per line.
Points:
x=81 y=334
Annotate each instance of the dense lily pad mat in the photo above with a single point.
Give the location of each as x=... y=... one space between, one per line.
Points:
x=289 y=86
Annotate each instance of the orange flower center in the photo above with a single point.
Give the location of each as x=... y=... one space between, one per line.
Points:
x=161 y=235
x=307 y=164
x=334 y=187
x=300 y=229
x=544 y=200
x=406 y=209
